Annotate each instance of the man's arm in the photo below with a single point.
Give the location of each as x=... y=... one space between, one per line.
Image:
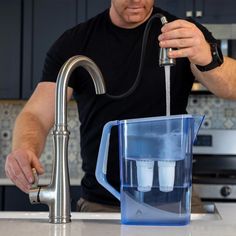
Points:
x=191 y=43
x=30 y=132
x=221 y=80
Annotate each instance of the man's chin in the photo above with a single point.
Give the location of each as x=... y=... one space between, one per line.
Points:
x=136 y=19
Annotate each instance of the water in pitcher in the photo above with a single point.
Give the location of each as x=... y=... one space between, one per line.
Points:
x=154 y=206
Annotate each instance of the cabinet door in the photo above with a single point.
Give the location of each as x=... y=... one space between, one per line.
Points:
x=13 y=199
x=10 y=48
x=44 y=22
x=216 y=11
x=95 y=7
x=180 y=8
x=16 y=200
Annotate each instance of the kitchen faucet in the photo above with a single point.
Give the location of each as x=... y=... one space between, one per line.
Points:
x=57 y=194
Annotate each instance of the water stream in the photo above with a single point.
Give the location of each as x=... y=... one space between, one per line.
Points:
x=167 y=83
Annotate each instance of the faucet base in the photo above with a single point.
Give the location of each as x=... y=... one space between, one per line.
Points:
x=63 y=220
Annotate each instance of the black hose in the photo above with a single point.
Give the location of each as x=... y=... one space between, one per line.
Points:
x=143 y=51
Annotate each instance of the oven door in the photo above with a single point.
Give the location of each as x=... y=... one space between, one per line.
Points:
x=214 y=165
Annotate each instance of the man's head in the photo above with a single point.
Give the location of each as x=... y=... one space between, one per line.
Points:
x=130 y=13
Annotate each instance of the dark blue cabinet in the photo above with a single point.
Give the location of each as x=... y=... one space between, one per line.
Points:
x=13 y=199
x=180 y=8
x=96 y=7
x=216 y=11
x=10 y=48
x=44 y=21
x=29 y=27
x=203 y=11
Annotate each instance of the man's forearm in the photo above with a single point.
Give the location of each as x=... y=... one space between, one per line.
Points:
x=221 y=81
x=29 y=133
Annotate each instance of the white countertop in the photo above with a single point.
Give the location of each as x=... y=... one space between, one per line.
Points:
x=106 y=224
x=42 y=181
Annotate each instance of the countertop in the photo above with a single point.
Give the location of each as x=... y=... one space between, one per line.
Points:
x=42 y=181
x=105 y=224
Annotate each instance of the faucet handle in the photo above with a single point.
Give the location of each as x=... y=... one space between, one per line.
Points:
x=36 y=179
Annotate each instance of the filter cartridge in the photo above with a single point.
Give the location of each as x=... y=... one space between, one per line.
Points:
x=145 y=175
x=166 y=174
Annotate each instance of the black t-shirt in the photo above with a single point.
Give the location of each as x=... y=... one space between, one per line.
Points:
x=116 y=51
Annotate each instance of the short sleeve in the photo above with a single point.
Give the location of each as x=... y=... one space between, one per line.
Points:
x=57 y=55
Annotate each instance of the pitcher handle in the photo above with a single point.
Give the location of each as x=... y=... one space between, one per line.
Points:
x=101 y=167
x=198 y=119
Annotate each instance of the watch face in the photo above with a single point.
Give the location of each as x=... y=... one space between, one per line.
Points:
x=217 y=53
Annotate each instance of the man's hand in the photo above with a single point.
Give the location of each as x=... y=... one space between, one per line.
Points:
x=189 y=41
x=19 y=166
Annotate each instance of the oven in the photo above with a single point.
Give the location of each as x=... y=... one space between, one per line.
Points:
x=214 y=165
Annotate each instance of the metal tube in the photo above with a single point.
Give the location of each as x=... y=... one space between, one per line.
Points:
x=57 y=194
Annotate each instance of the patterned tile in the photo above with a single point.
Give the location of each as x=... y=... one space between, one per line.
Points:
x=8 y=113
x=219 y=114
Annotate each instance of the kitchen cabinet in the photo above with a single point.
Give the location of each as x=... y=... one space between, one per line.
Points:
x=29 y=27
x=1 y=198
x=215 y=11
x=44 y=21
x=203 y=11
x=95 y=7
x=13 y=199
x=180 y=8
x=10 y=48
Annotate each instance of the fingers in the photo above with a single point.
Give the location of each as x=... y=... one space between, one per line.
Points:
x=22 y=186
x=177 y=34
x=187 y=40
x=24 y=164
x=176 y=25
x=181 y=37
x=186 y=52
x=15 y=174
x=18 y=168
x=37 y=165
x=177 y=43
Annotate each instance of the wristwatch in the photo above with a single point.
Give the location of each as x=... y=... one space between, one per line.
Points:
x=217 y=58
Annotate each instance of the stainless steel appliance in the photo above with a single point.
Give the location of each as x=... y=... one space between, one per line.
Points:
x=214 y=165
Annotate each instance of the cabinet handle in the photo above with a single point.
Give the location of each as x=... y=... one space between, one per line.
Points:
x=189 y=13
x=199 y=14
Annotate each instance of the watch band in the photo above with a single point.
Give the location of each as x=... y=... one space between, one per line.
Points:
x=217 y=58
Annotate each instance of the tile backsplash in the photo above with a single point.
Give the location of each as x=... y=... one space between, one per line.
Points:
x=8 y=113
x=219 y=114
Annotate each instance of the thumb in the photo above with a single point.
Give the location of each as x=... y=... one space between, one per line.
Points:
x=38 y=166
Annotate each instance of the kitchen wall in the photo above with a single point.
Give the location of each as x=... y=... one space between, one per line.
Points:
x=220 y=114
x=8 y=112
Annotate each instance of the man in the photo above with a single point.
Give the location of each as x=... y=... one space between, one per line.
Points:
x=113 y=40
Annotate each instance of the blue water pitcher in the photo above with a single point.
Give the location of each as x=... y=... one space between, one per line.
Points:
x=155 y=168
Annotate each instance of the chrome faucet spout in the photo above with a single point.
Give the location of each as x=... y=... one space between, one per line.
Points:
x=62 y=81
x=57 y=194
